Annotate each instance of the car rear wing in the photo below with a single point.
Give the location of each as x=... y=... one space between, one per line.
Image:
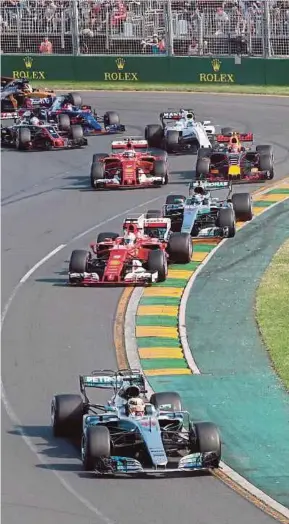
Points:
x=171 y=115
x=126 y=142
x=210 y=186
x=157 y=222
x=242 y=137
x=107 y=379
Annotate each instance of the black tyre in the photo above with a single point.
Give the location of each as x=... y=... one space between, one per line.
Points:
x=161 y=170
x=265 y=149
x=168 y=401
x=204 y=152
x=98 y=156
x=227 y=131
x=95 y=446
x=76 y=132
x=75 y=99
x=154 y=135
x=96 y=173
x=153 y=213
x=66 y=415
x=111 y=118
x=64 y=122
x=265 y=163
x=202 y=168
x=157 y=262
x=159 y=153
x=78 y=261
x=226 y=218
x=103 y=236
x=242 y=204
x=171 y=199
x=23 y=138
x=172 y=141
x=180 y=248
x=207 y=440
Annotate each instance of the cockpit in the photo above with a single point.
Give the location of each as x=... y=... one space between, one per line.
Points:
x=156 y=232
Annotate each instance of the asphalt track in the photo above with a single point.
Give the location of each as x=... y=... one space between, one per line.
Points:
x=52 y=333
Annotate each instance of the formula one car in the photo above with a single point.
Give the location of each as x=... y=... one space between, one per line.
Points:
x=25 y=136
x=134 y=434
x=17 y=93
x=140 y=256
x=228 y=159
x=131 y=165
x=203 y=216
x=67 y=110
x=179 y=131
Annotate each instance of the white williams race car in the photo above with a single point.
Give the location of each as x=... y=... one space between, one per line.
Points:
x=179 y=131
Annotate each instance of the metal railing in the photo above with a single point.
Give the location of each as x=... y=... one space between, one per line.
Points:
x=137 y=27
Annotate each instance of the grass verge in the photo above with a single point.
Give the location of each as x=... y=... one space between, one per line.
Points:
x=272 y=305
x=189 y=88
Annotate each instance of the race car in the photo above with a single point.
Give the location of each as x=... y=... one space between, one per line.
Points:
x=17 y=93
x=27 y=136
x=201 y=215
x=131 y=165
x=67 y=110
x=140 y=256
x=179 y=131
x=229 y=159
x=131 y=433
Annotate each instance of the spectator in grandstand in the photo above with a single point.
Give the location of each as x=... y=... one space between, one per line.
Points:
x=193 y=48
x=155 y=45
x=119 y=14
x=46 y=47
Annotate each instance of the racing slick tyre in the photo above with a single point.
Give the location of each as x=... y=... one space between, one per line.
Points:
x=180 y=248
x=171 y=199
x=23 y=138
x=78 y=261
x=157 y=261
x=98 y=156
x=202 y=168
x=160 y=169
x=97 y=173
x=227 y=131
x=153 y=213
x=266 y=164
x=265 y=149
x=103 y=236
x=66 y=415
x=95 y=446
x=242 y=204
x=154 y=135
x=111 y=118
x=205 y=438
x=76 y=132
x=64 y=122
x=226 y=218
x=75 y=99
x=172 y=141
x=204 y=152
x=169 y=401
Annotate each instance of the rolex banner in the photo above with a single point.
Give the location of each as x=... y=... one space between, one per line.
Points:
x=147 y=69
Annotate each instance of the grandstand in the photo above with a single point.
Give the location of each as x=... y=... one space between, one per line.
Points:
x=174 y=27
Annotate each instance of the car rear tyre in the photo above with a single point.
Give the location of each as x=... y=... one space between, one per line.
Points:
x=157 y=262
x=98 y=156
x=205 y=438
x=153 y=213
x=66 y=415
x=111 y=118
x=180 y=248
x=265 y=149
x=242 y=204
x=154 y=135
x=23 y=138
x=204 y=152
x=172 y=141
x=78 y=261
x=168 y=401
x=202 y=168
x=97 y=173
x=227 y=131
x=75 y=99
x=76 y=132
x=95 y=446
x=64 y=122
x=266 y=163
x=103 y=236
x=226 y=218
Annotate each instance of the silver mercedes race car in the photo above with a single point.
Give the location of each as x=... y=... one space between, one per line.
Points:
x=179 y=131
x=134 y=434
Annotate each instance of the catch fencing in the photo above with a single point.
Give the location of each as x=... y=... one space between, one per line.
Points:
x=146 y=27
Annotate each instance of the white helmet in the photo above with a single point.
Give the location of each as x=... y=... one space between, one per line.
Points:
x=136 y=407
x=129 y=154
x=34 y=121
x=129 y=237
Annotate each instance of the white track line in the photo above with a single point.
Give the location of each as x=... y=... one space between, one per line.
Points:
x=10 y=412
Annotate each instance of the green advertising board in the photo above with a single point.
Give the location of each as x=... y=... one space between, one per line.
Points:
x=151 y=69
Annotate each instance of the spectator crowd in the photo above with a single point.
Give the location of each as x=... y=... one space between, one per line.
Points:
x=185 y=27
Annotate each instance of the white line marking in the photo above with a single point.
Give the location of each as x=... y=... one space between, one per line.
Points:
x=10 y=412
x=134 y=361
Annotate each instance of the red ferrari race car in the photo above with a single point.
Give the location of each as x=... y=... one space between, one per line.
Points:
x=130 y=165
x=229 y=159
x=140 y=256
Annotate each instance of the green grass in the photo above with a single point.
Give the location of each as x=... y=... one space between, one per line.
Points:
x=272 y=305
x=140 y=86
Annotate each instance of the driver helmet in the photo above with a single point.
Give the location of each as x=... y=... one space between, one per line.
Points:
x=34 y=121
x=129 y=154
x=129 y=238
x=28 y=114
x=27 y=88
x=136 y=407
x=199 y=190
x=68 y=107
x=197 y=199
